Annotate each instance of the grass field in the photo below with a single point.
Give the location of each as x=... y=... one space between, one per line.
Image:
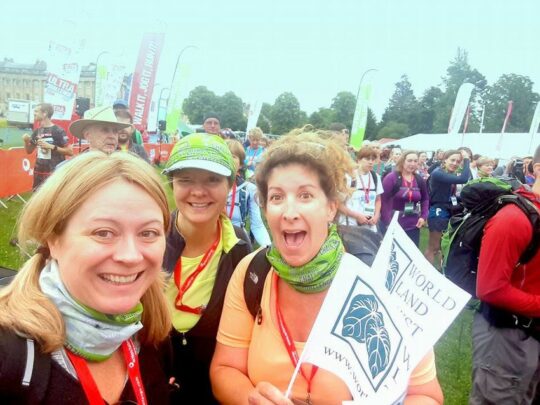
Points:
x=453 y=351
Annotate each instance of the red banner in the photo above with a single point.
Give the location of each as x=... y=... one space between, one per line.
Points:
x=18 y=166
x=143 y=78
x=158 y=153
x=17 y=171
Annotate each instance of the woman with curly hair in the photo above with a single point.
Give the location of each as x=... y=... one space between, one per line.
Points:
x=301 y=182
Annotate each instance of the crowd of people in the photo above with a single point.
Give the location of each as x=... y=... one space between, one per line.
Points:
x=125 y=299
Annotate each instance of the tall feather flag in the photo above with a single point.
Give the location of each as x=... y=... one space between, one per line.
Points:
x=460 y=106
x=174 y=107
x=253 y=115
x=142 y=85
x=109 y=77
x=359 y=123
x=505 y=124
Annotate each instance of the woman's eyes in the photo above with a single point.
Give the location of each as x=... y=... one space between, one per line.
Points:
x=274 y=197
x=150 y=234
x=306 y=196
x=104 y=233
x=107 y=234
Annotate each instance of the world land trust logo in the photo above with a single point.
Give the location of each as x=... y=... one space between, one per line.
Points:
x=366 y=326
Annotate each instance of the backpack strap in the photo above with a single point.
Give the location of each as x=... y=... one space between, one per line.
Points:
x=397 y=184
x=24 y=369
x=399 y=181
x=533 y=214
x=256 y=273
x=375 y=179
x=242 y=201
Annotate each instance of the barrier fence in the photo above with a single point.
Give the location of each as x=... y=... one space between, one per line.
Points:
x=18 y=167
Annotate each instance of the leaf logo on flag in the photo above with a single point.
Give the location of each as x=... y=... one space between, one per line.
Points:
x=393 y=269
x=364 y=323
x=366 y=326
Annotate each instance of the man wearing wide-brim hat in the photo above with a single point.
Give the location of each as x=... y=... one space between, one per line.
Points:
x=100 y=128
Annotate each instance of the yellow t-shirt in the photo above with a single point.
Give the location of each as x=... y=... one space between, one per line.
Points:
x=268 y=359
x=201 y=290
x=198 y=294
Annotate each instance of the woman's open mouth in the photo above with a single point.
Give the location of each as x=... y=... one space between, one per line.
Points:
x=294 y=239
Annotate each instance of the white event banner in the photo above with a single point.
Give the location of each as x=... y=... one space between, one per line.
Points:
x=63 y=73
x=376 y=324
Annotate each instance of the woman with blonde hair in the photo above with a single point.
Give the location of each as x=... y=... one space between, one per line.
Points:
x=88 y=307
x=485 y=166
x=300 y=183
x=254 y=151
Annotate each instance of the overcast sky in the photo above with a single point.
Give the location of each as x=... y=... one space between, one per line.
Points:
x=259 y=49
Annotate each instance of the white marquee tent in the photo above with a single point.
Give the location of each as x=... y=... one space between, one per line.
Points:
x=487 y=144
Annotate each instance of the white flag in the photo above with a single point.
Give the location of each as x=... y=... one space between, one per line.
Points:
x=253 y=115
x=460 y=106
x=377 y=324
x=109 y=77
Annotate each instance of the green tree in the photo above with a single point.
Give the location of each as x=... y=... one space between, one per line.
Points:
x=231 y=111
x=322 y=118
x=457 y=73
x=508 y=87
x=371 y=126
x=428 y=104
x=393 y=129
x=403 y=106
x=285 y=114
x=344 y=104
x=200 y=102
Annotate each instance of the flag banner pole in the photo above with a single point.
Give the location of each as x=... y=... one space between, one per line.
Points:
x=460 y=106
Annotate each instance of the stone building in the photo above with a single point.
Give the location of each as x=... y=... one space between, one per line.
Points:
x=27 y=82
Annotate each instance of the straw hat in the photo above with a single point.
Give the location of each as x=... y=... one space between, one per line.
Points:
x=98 y=115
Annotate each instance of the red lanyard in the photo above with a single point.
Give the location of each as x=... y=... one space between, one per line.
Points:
x=409 y=185
x=366 y=190
x=191 y=278
x=289 y=343
x=89 y=385
x=233 y=200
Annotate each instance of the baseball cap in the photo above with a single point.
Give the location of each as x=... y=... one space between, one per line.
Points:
x=202 y=151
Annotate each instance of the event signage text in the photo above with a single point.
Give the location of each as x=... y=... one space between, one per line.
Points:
x=143 y=78
x=63 y=73
x=376 y=324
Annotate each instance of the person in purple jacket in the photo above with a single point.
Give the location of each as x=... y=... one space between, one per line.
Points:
x=405 y=191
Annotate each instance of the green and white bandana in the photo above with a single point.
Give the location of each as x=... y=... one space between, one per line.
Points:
x=90 y=334
x=316 y=275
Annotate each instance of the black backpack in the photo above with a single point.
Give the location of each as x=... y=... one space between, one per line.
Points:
x=373 y=175
x=399 y=181
x=24 y=369
x=460 y=243
x=6 y=275
x=361 y=242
